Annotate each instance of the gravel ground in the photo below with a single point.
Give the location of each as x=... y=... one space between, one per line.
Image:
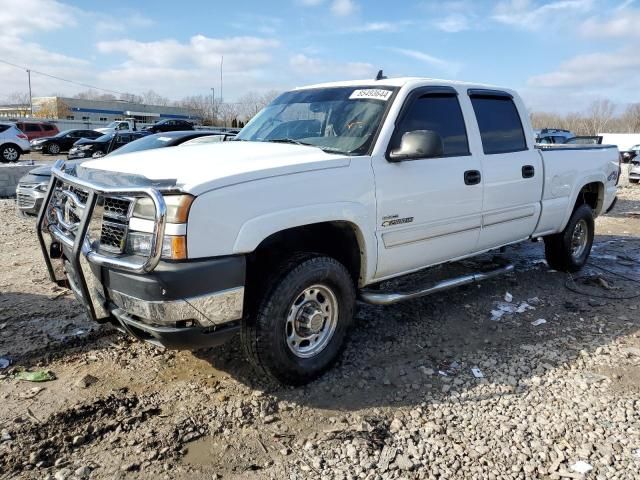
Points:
x=403 y=402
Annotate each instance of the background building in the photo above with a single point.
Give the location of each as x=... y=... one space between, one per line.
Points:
x=66 y=108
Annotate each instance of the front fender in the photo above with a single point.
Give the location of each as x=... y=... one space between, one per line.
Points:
x=257 y=229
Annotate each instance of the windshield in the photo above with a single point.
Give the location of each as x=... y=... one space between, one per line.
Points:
x=105 y=138
x=341 y=120
x=145 y=143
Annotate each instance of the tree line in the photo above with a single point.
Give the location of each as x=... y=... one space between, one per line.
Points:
x=599 y=117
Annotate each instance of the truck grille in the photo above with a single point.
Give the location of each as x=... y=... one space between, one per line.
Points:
x=110 y=220
x=25 y=201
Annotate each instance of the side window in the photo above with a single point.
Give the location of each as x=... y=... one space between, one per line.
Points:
x=31 y=127
x=440 y=113
x=500 y=126
x=48 y=128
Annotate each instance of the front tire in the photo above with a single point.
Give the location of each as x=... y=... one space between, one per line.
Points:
x=569 y=250
x=53 y=149
x=301 y=321
x=9 y=153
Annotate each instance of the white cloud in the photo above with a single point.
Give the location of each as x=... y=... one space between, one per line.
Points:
x=342 y=8
x=592 y=72
x=128 y=20
x=240 y=53
x=381 y=26
x=20 y=17
x=624 y=23
x=307 y=66
x=448 y=67
x=456 y=22
x=530 y=15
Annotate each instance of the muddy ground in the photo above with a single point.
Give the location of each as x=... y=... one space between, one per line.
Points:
x=401 y=403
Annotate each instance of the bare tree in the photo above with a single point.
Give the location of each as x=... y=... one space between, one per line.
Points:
x=20 y=101
x=201 y=106
x=151 y=97
x=630 y=119
x=252 y=102
x=598 y=116
x=131 y=97
x=94 y=95
x=228 y=112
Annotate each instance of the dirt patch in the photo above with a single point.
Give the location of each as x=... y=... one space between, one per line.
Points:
x=402 y=402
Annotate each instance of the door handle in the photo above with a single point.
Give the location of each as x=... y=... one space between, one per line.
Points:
x=472 y=177
x=528 y=171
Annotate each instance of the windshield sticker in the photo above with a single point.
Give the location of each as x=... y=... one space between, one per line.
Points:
x=164 y=139
x=373 y=93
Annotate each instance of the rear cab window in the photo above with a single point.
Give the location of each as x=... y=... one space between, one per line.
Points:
x=499 y=122
x=438 y=111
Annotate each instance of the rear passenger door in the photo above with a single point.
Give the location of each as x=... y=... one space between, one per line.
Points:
x=512 y=170
x=429 y=209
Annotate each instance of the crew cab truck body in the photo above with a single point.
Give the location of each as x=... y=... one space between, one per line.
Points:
x=328 y=191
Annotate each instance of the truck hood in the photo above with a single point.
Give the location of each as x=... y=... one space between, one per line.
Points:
x=200 y=168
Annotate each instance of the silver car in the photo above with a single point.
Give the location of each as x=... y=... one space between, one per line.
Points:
x=634 y=172
x=13 y=143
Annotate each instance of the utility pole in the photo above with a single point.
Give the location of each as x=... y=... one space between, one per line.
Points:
x=30 y=99
x=221 y=61
x=213 y=104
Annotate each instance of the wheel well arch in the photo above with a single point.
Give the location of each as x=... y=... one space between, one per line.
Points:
x=591 y=194
x=11 y=144
x=341 y=240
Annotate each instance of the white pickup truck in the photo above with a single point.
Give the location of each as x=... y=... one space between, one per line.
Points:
x=128 y=125
x=328 y=191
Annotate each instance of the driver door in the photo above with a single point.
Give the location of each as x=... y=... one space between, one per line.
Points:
x=429 y=209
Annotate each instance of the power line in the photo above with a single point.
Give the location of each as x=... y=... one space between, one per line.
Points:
x=86 y=85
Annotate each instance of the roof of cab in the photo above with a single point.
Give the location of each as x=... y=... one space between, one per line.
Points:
x=403 y=81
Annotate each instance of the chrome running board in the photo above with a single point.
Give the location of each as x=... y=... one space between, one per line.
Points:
x=376 y=297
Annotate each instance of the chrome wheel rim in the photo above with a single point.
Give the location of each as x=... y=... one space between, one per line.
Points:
x=579 y=239
x=10 y=154
x=54 y=149
x=311 y=321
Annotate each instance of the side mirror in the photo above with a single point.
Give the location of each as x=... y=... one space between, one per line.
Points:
x=418 y=144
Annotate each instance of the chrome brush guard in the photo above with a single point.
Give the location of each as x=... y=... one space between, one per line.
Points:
x=65 y=215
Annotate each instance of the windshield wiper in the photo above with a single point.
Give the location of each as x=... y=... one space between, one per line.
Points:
x=297 y=142
x=290 y=140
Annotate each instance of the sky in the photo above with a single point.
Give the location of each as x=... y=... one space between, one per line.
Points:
x=560 y=54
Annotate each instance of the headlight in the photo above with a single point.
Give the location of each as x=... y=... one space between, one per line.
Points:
x=177 y=208
x=83 y=147
x=173 y=247
x=41 y=187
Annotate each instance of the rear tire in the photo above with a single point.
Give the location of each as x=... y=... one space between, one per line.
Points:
x=9 y=153
x=569 y=250
x=301 y=319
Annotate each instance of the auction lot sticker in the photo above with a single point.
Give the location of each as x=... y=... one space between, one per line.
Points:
x=373 y=93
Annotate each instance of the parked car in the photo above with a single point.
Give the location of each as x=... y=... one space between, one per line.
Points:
x=584 y=140
x=327 y=193
x=553 y=135
x=32 y=187
x=62 y=142
x=634 y=172
x=169 y=125
x=13 y=143
x=37 y=129
x=103 y=144
x=127 y=125
x=211 y=138
x=172 y=139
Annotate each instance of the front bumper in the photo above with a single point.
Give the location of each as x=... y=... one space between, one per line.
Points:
x=180 y=305
x=187 y=304
x=29 y=199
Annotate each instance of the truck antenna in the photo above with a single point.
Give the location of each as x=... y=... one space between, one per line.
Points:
x=380 y=76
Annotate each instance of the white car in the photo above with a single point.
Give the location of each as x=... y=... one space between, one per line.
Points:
x=327 y=192
x=13 y=143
